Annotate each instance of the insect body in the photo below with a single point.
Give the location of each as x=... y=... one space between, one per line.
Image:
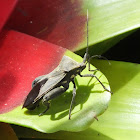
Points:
x=48 y=87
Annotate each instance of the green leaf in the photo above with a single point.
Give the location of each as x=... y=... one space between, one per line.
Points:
x=109 y=22
x=121 y=120
x=91 y=101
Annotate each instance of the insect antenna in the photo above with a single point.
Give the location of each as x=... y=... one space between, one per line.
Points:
x=87 y=34
x=86 y=56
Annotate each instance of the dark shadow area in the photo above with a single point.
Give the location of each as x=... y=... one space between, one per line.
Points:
x=62 y=103
x=30 y=133
x=127 y=50
x=100 y=47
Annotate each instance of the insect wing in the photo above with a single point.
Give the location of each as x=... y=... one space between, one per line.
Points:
x=33 y=93
x=50 y=84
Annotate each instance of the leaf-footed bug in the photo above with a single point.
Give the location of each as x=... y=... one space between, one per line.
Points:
x=48 y=87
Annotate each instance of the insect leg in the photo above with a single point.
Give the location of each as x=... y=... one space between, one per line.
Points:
x=94 y=56
x=46 y=103
x=90 y=60
x=73 y=98
x=92 y=75
x=50 y=95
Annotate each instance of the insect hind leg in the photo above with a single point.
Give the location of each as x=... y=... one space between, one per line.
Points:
x=46 y=103
x=51 y=95
x=96 y=56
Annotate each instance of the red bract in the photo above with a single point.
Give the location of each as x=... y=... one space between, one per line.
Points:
x=22 y=58
x=58 y=21
x=6 y=7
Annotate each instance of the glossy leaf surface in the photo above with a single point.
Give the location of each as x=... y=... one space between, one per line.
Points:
x=121 y=120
